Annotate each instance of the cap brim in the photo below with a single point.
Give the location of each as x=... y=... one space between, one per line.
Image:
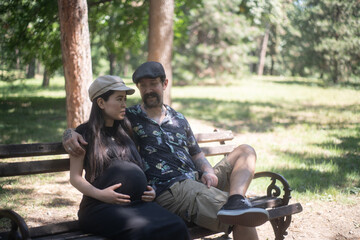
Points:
x=129 y=91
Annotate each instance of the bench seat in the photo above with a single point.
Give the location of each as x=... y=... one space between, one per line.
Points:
x=275 y=199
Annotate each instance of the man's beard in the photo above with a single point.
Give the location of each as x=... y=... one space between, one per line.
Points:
x=152 y=104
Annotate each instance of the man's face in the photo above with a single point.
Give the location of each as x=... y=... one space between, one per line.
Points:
x=152 y=91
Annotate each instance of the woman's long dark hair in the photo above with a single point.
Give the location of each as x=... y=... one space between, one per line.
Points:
x=102 y=148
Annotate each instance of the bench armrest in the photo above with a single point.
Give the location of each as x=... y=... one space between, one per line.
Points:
x=19 y=229
x=273 y=190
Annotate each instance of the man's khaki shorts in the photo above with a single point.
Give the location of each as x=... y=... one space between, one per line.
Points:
x=195 y=202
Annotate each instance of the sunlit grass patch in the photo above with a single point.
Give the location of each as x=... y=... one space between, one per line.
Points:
x=300 y=128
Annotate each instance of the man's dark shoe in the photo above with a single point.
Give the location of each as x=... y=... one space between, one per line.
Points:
x=238 y=211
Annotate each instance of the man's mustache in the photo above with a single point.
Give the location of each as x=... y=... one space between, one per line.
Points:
x=151 y=95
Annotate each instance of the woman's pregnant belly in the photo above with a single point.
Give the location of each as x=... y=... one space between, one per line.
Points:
x=130 y=175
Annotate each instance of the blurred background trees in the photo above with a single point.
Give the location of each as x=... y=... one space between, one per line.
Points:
x=212 y=38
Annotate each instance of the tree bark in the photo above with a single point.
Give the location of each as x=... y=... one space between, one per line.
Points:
x=30 y=73
x=46 y=78
x=112 y=63
x=335 y=75
x=263 y=52
x=76 y=56
x=161 y=36
x=126 y=64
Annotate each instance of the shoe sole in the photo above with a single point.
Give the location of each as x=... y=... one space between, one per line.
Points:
x=252 y=217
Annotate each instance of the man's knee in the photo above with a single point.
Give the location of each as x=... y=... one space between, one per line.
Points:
x=244 y=151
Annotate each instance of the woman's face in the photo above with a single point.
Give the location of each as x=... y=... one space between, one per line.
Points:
x=114 y=107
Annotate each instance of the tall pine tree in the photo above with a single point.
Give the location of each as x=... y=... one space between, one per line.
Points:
x=331 y=36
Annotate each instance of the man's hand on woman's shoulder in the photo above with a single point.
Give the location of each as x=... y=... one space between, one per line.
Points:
x=71 y=141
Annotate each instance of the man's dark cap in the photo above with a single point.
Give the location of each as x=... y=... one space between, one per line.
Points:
x=148 y=70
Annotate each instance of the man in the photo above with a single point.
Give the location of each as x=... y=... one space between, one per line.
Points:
x=184 y=181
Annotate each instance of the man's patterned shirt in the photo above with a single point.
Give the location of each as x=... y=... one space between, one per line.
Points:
x=166 y=148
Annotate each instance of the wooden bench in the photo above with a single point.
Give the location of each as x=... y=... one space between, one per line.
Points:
x=275 y=199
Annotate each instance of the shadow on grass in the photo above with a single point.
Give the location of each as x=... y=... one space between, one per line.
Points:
x=319 y=83
x=309 y=83
x=32 y=119
x=61 y=202
x=12 y=181
x=239 y=116
x=322 y=172
x=23 y=88
x=15 y=191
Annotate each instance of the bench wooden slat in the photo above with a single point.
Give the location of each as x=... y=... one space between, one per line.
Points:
x=34 y=167
x=32 y=149
x=41 y=149
x=56 y=228
x=266 y=202
x=217 y=150
x=199 y=232
x=59 y=165
x=214 y=136
x=70 y=236
x=286 y=210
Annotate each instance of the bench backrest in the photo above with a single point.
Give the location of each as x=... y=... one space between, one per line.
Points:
x=42 y=151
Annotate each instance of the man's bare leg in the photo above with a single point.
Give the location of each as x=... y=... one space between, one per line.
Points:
x=238 y=210
x=243 y=160
x=244 y=233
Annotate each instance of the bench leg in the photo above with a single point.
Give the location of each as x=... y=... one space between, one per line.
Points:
x=19 y=229
x=280 y=225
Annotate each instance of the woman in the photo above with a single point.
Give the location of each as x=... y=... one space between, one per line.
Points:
x=117 y=203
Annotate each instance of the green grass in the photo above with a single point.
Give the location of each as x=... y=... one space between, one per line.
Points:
x=300 y=128
x=307 y=132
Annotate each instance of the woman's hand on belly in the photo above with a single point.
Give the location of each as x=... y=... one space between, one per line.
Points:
x=148 y=195
x=109 y=195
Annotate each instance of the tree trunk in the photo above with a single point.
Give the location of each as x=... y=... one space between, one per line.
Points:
x=126 y=64
x=38 y=66
x=335 y=75
x=161 y=36
x=76 y=56
x=30 y=73
x=46 y=78
x=17 y=59
x=263 y=52
x=272 y=66
x=274 y=47
x=112 y=63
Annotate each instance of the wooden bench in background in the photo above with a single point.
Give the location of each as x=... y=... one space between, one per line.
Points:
x=275 y=199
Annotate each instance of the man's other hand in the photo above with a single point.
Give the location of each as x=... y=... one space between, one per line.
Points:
x=209 y=179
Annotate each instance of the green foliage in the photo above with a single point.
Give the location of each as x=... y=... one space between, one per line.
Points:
x=30 y=29
x=118 y=32
x=219 y=39
x=211 y=38
x=325 y=38
x=263 y=12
